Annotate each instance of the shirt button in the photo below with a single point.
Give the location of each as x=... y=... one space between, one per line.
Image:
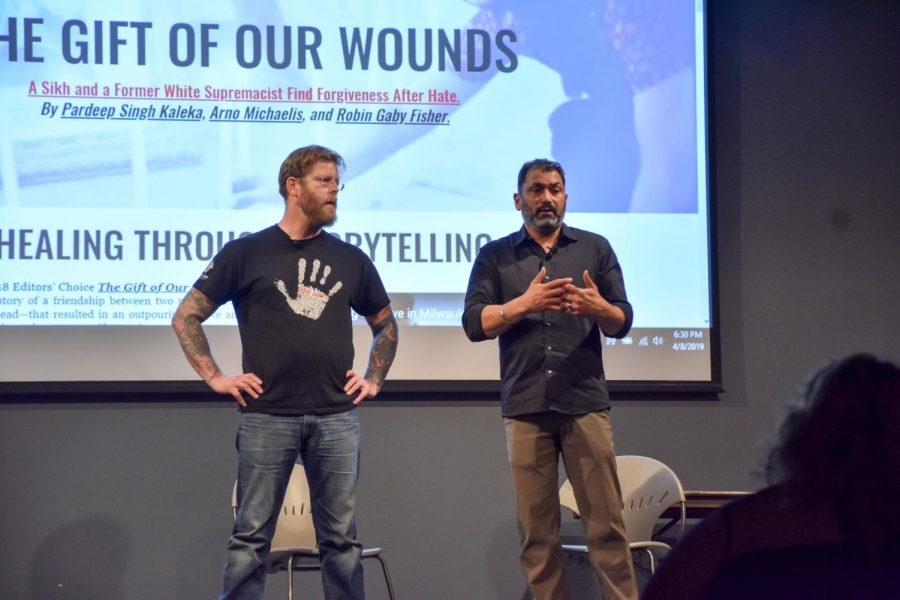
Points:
x=547 y=323
x=549 y=371
x=549 y=348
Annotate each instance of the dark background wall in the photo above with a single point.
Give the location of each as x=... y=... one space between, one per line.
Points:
x=130 y=499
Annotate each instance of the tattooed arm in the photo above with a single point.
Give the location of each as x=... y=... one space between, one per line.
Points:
x=381 y=355
x=187 y=323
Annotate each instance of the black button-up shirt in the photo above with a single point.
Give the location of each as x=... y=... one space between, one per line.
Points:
x=548 y=360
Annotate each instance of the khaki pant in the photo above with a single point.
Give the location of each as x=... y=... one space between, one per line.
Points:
x=585 y=441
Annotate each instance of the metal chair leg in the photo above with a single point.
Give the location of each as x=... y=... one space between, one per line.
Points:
x=652 y=561
x=291 y=567
x=387 y=577
x=291 y=578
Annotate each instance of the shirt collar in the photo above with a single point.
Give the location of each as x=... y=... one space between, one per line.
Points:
x=566 y=234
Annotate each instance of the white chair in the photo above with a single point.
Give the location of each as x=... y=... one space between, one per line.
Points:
x=649 y=488
x=294 y=543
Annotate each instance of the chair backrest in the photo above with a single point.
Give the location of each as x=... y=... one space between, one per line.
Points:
x=295 y=526
x=648 y=488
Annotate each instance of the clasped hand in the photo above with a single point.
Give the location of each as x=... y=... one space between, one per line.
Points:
x=561 y=295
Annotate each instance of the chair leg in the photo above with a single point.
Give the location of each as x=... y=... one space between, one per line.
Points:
x=387 y=577
x=291 y=578
x=652 y=561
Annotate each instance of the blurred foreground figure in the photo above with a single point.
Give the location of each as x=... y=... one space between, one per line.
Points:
x=828 y=525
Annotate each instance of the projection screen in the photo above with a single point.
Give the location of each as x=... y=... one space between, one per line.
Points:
x=137 y=137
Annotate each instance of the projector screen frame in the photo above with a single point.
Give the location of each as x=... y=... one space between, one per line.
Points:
x=412 y=389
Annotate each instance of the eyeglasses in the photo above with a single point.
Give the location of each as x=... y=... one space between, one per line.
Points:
x=330 y=181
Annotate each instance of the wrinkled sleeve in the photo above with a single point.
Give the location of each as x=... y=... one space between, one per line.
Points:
x=219 y=280
x=482 y=291
x=611 y=284
x=370 y=296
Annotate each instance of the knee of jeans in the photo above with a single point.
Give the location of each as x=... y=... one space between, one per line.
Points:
x=336 y=530
x=249 y=544
x=254 y=525
x=335 y=526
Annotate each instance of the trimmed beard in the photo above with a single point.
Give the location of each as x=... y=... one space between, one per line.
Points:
x=318 y=215
x=321 y=220
x=543 y=224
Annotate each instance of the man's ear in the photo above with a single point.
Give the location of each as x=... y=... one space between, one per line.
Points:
x=292 y=185
x=518 y=200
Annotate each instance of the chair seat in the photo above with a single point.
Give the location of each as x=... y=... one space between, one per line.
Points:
x=582 y=548
x=279 y=557
x=303 y=558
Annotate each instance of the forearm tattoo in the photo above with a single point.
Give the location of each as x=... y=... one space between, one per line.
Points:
x=193 y=310
x=384 y=348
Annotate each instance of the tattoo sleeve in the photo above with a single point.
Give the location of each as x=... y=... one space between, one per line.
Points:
x=187 y=323
x=384 y=345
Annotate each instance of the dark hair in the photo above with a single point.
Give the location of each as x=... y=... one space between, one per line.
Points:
x=299 y=162
x=544 y=164
x=841 y=440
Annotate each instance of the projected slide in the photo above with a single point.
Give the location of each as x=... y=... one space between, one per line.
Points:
x=138 y=137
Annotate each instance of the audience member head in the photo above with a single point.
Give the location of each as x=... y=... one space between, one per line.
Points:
x=841 y=441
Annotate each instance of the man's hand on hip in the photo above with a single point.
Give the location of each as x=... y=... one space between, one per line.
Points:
x=248 y=383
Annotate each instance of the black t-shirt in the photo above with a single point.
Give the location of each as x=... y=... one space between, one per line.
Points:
x=293 y=299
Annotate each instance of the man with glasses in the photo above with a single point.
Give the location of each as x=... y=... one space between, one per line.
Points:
x=547 y=291
x=293 y=287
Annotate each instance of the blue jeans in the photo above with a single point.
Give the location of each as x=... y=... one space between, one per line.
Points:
x=268 y=447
